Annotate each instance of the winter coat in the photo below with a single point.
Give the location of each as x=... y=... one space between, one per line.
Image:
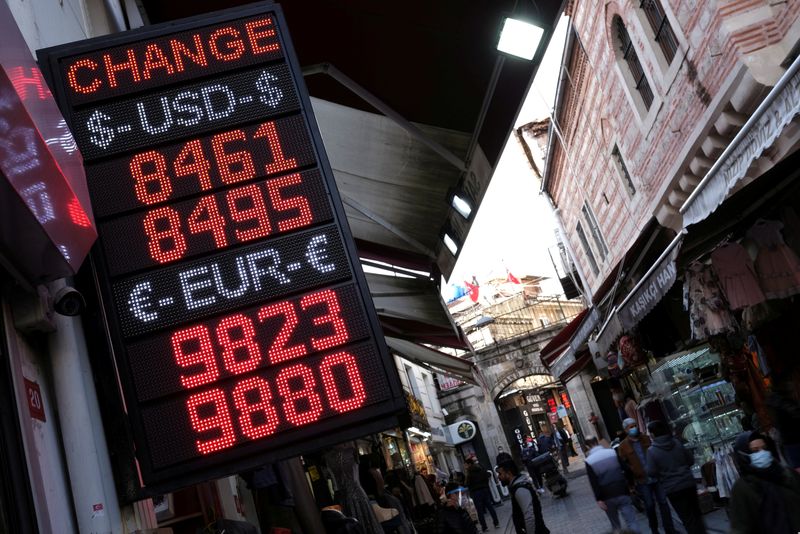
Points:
x=751 y=514
x=627 y=453
x=525 y=505
x=477 y=477
x=669 y=462
x=605 y=473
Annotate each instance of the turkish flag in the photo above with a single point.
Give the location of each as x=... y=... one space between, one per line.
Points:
x=513 y=279
x=473 y=290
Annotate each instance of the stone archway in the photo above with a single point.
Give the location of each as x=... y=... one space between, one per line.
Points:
x=514 y=375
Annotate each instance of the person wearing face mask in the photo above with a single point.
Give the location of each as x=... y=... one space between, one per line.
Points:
x=766 y=498
x=632 y=452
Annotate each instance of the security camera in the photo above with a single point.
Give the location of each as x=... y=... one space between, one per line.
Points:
x=69 y=301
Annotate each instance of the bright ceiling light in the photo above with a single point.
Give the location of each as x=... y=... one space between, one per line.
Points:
x=520 y=38
x=461 y=206
x=450 y=244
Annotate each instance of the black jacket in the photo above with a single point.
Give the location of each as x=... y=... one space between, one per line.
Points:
x=451 y=519
x=477 y=477
x=670 y=463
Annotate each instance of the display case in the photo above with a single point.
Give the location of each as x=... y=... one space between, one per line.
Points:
x=700 y=405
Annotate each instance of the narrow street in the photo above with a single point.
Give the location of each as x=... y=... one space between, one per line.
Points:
x=578 y=513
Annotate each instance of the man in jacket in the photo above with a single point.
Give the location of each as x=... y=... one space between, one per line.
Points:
x=526 y=510
x=669 y=462
x=452 y=518
x=529 y=453
x=478 y=484
x=633 y=454
x=609 y=485
x=560 y=437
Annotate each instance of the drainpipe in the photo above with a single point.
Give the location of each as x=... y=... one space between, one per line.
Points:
x=93 y=492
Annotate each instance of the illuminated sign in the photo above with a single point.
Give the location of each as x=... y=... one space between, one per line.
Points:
x=240 y=322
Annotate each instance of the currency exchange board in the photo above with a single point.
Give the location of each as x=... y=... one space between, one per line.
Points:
x=239 y=319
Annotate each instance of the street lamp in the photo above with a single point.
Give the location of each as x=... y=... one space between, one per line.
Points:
x=519 y=38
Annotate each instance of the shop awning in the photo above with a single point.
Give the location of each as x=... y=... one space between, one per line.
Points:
x=413 y=309
x=560 y=341
x=641 y=300
x=433 y=360
x=759 y=133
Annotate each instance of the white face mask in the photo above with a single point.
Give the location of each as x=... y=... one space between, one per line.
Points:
x=761 y=459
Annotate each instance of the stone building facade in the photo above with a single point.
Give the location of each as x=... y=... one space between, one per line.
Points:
x=650 y=95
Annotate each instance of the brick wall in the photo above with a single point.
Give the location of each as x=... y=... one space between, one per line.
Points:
x=661 y=146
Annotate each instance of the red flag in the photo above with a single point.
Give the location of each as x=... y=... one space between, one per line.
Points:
x=513 y=279
x=473 y=290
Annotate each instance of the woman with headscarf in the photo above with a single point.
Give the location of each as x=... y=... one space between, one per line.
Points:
x=766 y=498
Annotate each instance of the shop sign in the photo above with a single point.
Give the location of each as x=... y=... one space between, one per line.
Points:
x=45 y=204
x=35 y=403
x=416 y=409
x=649 y=293
x=239 y=317
x=463 y=431
x=561 y=411
x=589 y=323
x=535 y=403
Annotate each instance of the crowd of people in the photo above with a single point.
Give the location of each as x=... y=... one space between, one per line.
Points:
x=649 y=469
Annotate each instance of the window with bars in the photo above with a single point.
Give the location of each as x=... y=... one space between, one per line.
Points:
x=664 y=35
x=623 y=170
x=632 y=60
x=586 y=248
x=594 y=228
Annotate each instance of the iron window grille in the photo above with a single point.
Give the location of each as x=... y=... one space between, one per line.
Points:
x=635 y=66
x=624 y=170
x=587 y=249
x=594 y=228
x=665 y=37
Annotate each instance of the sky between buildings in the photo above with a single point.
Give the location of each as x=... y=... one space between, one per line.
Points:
x=514 y=226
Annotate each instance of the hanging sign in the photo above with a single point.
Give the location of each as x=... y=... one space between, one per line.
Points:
x=240 y=321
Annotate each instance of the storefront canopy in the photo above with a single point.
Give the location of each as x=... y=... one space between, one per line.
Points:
x=433 y=360
x=560 y=342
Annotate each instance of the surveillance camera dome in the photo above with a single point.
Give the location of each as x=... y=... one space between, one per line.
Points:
x=69 y=301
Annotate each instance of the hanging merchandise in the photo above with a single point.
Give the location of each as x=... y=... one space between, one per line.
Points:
x=726 y=471
x=778 y=267
x=791 y=228
x=702 y=297
x=737 y=276
x=630 y=351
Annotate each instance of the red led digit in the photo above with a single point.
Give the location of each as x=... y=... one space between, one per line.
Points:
x=203 y=357
x=149 y=170
x=280 y=349
x=257 y=212
x=279 y=161
x=348 y=362
x=191 y=160
x=300 y=203
x=340 y=334
x=205 y=217
x=220 y=421
x=248 y=408
x=233 y=166
x=165 y=244
x=296 y=412
x=245 y=339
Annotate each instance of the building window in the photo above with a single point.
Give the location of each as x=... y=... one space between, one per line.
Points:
x=632 y=60
x=626 y=177
x=664 y=35
x=412 y=381
x=597 y=236
x=587 y=249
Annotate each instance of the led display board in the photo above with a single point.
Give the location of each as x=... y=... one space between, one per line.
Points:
x=239 y=320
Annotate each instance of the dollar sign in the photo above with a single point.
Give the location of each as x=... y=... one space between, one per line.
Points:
x=102 y=134
x=273 y=95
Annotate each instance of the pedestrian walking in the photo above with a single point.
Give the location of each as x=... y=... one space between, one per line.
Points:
x=561 y=439
x=502 y=455
x=452 y=518
x=609 y=485
x=545 y=441
x=526 y=510
x=766 y=498
x=529 y=453
x=478 y=484
x=632 y=452
x=669 y=462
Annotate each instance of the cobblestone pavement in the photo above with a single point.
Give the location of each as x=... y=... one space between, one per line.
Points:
x=578 y=513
